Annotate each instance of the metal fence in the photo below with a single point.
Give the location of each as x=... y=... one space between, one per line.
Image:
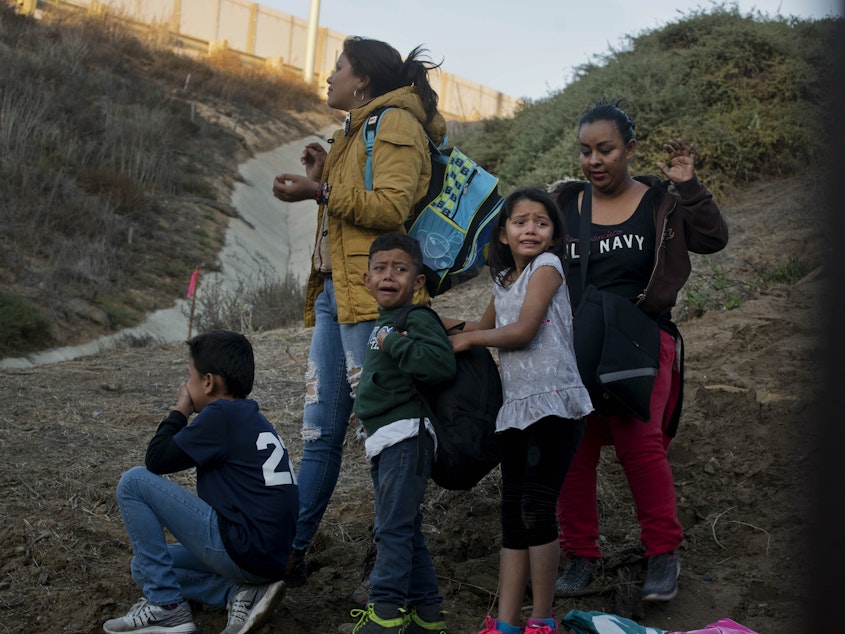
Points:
x=259 y=33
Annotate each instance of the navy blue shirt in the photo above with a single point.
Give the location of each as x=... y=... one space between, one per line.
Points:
x=244 y=473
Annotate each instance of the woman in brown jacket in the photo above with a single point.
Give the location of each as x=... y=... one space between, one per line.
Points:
x=641 y=234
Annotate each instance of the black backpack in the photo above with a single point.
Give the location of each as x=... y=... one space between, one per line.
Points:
x=463 y=412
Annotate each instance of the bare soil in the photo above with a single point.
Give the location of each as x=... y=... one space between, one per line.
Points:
x=741 y=458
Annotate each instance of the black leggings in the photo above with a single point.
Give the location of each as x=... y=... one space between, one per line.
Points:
x=534 y=464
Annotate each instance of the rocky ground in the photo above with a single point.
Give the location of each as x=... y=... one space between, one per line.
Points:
x=68 y=430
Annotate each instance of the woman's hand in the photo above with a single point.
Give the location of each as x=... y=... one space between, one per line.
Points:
x=292 y=188
x=314 y=158
x=681 y=166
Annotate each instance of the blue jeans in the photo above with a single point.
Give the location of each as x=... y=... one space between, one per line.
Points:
x=198 y=566
x=335 y=360
x=403 y=573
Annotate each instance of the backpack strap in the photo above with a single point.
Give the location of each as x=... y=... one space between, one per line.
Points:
x=401 y=320
x=400 y=324
x=585 y=224
x=369 y=131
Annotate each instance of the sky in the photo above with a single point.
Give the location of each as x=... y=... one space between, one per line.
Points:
x=523 y=48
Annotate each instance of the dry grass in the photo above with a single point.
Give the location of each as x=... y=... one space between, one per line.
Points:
x=68 y=431
x=108 y=147
x=265 y=302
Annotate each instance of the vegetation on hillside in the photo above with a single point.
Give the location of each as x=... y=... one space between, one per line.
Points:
x=750 y=90
x=113 y=151
x=109 y=170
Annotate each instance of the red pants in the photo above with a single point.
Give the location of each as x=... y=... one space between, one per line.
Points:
x=641 y=449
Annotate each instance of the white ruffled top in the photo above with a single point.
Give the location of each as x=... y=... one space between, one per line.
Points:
x=540 y=379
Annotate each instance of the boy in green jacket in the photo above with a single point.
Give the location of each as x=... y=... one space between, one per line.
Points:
x=403 y=594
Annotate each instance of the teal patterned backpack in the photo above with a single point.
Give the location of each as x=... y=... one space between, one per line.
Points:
x=454 y=221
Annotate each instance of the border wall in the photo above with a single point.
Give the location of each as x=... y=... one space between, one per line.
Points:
x=261 y=34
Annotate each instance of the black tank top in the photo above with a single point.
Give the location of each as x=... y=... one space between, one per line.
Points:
x=621 y=256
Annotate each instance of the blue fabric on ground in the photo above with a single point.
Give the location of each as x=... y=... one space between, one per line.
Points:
x=602 y=623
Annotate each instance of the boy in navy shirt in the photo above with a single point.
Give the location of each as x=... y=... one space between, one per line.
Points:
x=234 y=536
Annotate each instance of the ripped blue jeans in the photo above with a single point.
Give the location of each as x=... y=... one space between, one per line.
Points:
x=197 y=566
x=334 y=367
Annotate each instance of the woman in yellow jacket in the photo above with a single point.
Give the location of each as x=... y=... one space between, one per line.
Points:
x=369 y=76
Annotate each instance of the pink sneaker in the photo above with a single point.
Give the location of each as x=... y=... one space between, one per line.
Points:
x=538 y=626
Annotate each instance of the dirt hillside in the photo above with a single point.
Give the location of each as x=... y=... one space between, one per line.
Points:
x=68 y=430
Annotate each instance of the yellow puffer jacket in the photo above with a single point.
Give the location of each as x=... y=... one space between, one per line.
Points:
x=356 y=216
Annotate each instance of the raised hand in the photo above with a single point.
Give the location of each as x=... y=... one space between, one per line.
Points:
x=681 y=167
x=314 y=158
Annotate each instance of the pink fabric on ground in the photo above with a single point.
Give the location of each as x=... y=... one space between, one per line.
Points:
x=722 y=626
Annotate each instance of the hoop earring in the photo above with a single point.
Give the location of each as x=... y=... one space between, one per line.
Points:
x=361 y=98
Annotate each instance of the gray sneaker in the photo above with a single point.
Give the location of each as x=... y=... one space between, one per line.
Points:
x=576 y=577
x=153 y=619
x=251 y=605
x=661 y=578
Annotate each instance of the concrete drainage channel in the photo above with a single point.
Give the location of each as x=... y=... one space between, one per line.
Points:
x=269 y=234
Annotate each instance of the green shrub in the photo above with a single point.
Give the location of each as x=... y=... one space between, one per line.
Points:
x=750 y=91
x=710 y=288
x=23 y=327
x=791 y=271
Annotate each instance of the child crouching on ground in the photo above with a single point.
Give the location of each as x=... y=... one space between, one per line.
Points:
x=403 y=594
x=234 y=536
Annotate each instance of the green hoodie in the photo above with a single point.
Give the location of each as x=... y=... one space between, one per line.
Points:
x=386 y=392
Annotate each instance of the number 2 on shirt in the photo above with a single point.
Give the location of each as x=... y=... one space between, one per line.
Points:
x=271 y=476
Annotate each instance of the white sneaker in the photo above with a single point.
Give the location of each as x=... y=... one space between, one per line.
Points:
x=251 y=605
x=153 y=619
